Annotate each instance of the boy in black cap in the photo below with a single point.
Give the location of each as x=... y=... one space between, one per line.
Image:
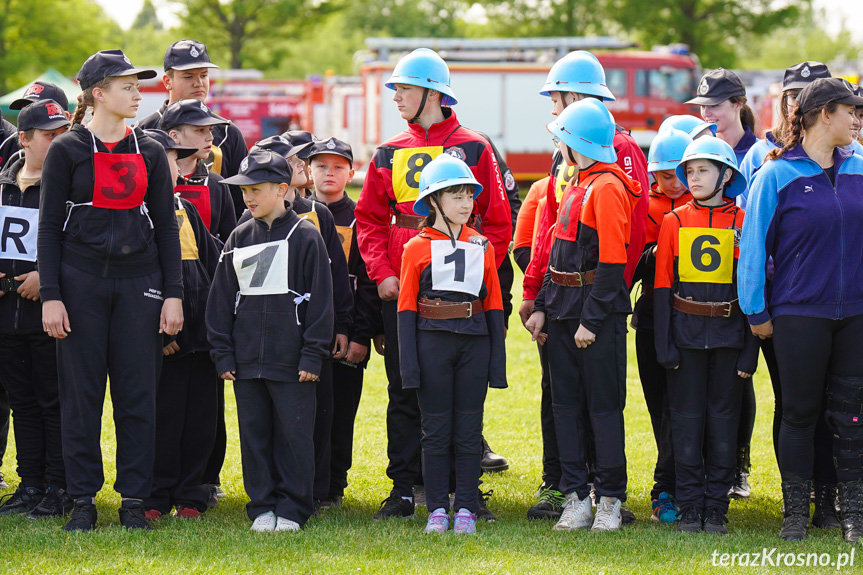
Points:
x=298 y=138
x=191 y=123
x=317 y=213
x=332 y=169
x=187 y=75
x=270 y=323
x=186 y=397
x=27 y=354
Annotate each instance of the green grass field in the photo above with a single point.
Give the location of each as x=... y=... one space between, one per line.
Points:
x=347 y=540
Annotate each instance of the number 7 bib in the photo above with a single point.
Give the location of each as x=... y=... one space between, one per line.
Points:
x=458 y=269
x=706 y=255
x=262 y=269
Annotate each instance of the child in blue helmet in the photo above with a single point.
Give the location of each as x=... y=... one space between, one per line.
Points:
x=451 y=337
x=701 y=335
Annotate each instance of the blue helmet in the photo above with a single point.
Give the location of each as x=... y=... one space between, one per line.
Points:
x=667 y=150
x=587 y=127
x=719 y=151
x=424 y=68
x=689 y=124
x=578 y=72
x=443 y=172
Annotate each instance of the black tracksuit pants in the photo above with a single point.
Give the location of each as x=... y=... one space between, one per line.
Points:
x=220 y=445
x=323 y=430
x=594 y=377
x=277 y=421
x=29 y=374
x=704 y=399
x=808 y=349
x=655 y=386
x=185 y=432
x=454 y=383
x=4 y=421
x=403 y=413
x=550 y=454
x=347 y=390
x=114 y=333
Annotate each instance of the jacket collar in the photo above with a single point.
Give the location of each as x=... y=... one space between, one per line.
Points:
x=285 y=219
x=433 y=234
x=747 y=141
x=728 y=205
x=440 y=130
x=840 y=154
x=10 y=174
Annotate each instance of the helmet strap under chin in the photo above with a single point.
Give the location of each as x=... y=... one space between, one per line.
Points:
x=422 y=106
x=446 y=220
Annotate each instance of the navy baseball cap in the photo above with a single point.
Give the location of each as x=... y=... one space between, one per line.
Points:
x=332 y=146
x=825 y=90
x=716 y=86
x=281 y=145
x=40 y=91
x=107 y=63
x=298 y=137
x=168 y=143
x=801 y=75
x=187 y=55
x=260 y=167
x=44 y=115
x=190 y=111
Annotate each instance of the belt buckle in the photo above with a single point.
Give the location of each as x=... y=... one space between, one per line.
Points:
x=580 y=277
x=728 y=312
x=393 y=220
x=469 y=309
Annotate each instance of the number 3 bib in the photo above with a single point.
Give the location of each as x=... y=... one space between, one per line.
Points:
x=120 y=179
x=458 y=268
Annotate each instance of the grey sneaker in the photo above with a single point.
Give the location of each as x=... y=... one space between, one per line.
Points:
x=577 y=514
x=607 y=514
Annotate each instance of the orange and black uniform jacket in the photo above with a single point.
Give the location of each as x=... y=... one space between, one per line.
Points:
x=591 y=233
x=660 y=204
x=416 y=282
x=696 y=258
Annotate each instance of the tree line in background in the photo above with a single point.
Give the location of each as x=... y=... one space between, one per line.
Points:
x=294 y=38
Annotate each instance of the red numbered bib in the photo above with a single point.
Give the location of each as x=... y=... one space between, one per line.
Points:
x=566 y=227
x=199 y=196
x=120 y=181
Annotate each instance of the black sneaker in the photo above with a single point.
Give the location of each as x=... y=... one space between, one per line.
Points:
x=714 y=521
x=491 y=461
x=83 y=516
x=627 y=517
x=395 y=506
x=214 y=494
x=484 y=514
x=56 y=503
x=690 y=520
x=549 y=504
x=22 y=502
x=132 y=515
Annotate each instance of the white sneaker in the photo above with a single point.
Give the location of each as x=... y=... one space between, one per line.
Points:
x=607 y=514
x=577 y=514
x=283 y=524
x=264 y=522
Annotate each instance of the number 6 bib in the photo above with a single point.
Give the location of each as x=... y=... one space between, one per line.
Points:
x=458 y=268
x=706 y=255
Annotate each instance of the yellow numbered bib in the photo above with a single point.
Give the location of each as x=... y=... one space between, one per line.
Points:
x=407 y=165
x=706 y=255
x=564 y=176
x=346 y=235
x=188 y=245
x=312 y=217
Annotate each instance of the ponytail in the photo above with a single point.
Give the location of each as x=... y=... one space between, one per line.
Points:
x=86 y=100
x=747 y=116
x=799 y=123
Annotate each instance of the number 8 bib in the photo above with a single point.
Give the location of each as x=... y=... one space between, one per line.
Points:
x=706 y=255
x=458 y=269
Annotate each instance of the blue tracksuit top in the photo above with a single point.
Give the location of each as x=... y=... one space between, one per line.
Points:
x=813 y=230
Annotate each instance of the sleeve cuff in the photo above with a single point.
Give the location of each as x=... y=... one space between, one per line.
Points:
x=759 y=318
x=310 y=363
x=174 y=291
x=49 y=293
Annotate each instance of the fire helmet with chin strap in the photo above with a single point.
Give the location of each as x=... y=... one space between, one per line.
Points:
x=426 y=69
x=667 y=149
x=588 y=128
x=443 y=172
x=717 y=150
x=578 y=72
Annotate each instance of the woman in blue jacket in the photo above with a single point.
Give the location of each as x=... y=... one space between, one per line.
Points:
x=804 y=211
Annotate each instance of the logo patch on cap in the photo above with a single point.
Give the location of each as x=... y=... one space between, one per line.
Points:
x=703 y=87
x=34 y=90
x=806 y=72
x=126 y=59
x=193 y=52
x=331 y=145
x=53 y=109
x=204 y=108
x=244 y=165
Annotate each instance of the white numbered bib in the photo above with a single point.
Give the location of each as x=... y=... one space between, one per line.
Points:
x=18 y=230
x=457 y=269
x=262 y=269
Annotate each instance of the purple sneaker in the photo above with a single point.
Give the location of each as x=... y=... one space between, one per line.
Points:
x=438 y=521
x=464 y=522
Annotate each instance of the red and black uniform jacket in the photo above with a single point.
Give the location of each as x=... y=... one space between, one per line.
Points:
x=221 y=218
x=660 y=204
x=392 y=185
x=591 y=233
x=696 y=258
x=417 y=282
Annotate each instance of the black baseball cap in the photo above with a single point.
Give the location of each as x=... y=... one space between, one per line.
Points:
x=168 y=143
x=107 y=63
x=825 y=90
x=282 y=146
x=801 y=75
x=332 y=146
x=298 y=137
x=260 y=167
x=41 y=91
x=186 y=55
x=190 y=111
x=43 y=115
x=716 y=86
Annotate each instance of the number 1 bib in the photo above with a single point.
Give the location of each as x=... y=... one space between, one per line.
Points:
x=706 y=255
x=458 y=268
x=120 y=181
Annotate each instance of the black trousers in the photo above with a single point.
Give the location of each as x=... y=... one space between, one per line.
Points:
x=277 y=420
x=506 y=277
x=29 y=374
x=807 y=350
x=594 y=377
x=403 y=413
x=654 y=384
x=185 y=432
x=220 y=446
x=347 y=390
x=454 y=382
x=115 y=334
x=4 y=421
x=704 y=399
x=550 y=454
x=323 y=430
